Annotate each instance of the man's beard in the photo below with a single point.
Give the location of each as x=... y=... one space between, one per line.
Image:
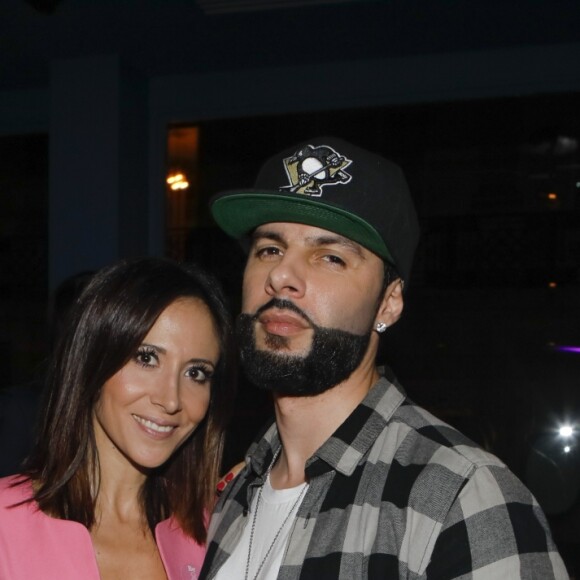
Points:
x=333 y=356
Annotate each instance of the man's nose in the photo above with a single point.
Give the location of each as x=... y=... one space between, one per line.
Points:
x=287 y=278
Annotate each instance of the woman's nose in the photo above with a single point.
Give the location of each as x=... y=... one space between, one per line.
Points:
x=167 y=394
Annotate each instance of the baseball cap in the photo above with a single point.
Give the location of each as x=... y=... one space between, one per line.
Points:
x=334 y=185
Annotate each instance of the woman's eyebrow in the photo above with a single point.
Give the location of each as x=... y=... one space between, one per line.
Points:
x=154 y=347
x=205 y=361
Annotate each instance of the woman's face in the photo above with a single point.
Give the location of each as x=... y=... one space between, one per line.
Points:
x=152 y=405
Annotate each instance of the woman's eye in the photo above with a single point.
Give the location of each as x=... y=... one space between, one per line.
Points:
x=146 y=358
x=199 y=374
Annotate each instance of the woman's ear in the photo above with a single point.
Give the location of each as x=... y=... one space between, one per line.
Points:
x=391 y=306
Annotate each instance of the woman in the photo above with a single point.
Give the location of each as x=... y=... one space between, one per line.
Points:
x=123 y=474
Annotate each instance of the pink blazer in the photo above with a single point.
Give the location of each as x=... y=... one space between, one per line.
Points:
x=34 y=545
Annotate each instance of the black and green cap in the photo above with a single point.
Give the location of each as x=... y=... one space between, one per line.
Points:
x=331 y=184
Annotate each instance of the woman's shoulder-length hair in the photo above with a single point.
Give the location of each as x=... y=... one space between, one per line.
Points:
x=104 y=329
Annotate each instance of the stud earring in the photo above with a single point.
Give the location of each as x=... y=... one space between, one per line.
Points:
x=381 y=327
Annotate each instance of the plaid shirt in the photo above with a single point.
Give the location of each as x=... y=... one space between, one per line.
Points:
x=396 y=493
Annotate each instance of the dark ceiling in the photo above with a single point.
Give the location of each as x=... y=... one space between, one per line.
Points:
x=161 y=37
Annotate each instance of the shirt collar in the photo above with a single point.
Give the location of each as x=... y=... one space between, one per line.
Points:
x=349 y=443
x=353 y=439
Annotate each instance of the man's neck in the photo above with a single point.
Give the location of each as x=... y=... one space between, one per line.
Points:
x=305 y=423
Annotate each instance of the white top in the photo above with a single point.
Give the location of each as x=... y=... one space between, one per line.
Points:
x=273 y=523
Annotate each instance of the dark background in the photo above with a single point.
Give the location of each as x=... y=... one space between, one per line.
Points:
x=495 y=290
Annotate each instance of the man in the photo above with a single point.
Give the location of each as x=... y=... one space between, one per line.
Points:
x=352 y=480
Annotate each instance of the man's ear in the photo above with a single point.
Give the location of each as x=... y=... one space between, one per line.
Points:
x=391 y=306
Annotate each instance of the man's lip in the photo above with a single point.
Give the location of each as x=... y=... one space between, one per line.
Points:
x=283 y=323
x=272 y=317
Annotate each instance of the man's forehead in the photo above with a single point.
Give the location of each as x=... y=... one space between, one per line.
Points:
x=304 y=231
x=312 y=235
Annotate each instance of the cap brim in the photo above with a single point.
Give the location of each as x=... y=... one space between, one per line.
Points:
x=239 y=213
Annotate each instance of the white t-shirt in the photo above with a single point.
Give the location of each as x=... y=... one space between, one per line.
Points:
x=273 y=523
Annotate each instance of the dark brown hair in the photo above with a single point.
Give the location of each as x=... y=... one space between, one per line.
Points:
x=105 y=328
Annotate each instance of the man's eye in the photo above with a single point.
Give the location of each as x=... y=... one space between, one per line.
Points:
x=268 y=251
x=335 y=260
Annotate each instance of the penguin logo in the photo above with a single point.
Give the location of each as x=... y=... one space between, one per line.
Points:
x=311 y=168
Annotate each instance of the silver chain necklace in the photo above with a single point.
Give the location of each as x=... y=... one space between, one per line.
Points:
x=255 y=517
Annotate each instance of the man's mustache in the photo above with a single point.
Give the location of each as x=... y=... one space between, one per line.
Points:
x=282 y=304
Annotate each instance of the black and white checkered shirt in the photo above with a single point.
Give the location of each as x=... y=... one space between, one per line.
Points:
x=397 y=493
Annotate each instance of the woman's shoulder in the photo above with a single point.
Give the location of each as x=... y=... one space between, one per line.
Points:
x=35 y=545
x=17 y=509
x=14 y=489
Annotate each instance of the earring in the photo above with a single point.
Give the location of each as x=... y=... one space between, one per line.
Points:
x=381 y=327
